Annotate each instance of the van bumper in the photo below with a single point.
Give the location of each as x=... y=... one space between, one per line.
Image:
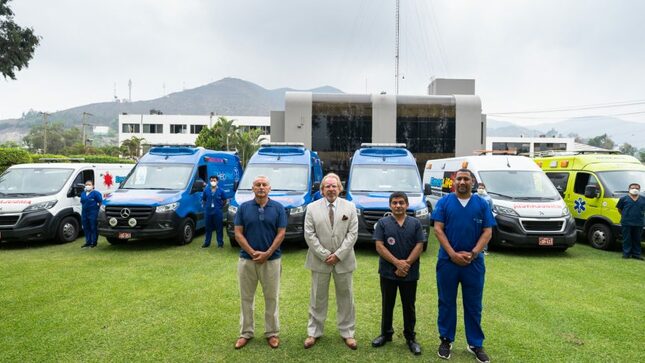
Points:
x=36 y=226
x=508 y=232
x=159 y=225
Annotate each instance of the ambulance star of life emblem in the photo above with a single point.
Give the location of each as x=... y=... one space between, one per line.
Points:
x=579 y=205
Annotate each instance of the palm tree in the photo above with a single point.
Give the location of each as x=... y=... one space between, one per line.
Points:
x=246 y=143
x=132 y=146
x=227 y=130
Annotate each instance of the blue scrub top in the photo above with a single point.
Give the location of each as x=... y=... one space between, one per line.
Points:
x=91 y=201
x=260 y=229
x=213 y=201
x=400 y=241
x=633 y=211
x=463 y=225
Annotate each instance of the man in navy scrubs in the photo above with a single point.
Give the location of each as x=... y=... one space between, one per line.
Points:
x=213 y=201
x=399 y=241
x=463 y=225
x=632 y=211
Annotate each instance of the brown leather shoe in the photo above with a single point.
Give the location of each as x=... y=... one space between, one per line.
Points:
x=241 y=342
x=351 y=343
x=310 y=342
x=274 y=341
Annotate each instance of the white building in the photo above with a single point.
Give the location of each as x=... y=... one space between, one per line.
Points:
x=159 y=130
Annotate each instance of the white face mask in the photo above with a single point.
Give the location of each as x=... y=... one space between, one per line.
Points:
x=634 y=191
x=481 y=191
x=88 y=188
x=213 y=183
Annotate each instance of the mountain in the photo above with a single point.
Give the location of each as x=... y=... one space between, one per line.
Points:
x=228 y=96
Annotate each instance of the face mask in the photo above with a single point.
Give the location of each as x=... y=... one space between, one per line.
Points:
x=481 y=191
x=634 y=191
x=213 y=184
x=88 y=188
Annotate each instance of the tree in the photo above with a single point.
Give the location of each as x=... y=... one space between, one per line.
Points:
x=218 y=137
x=602 y=141
x=17 y=44
x=247 y=143
x=132 y=147
x=628 y=149
x=58 y=138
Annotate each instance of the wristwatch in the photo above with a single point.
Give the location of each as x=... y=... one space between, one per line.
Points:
x=475 y=255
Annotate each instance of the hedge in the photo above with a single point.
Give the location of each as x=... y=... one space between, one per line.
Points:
x=10 y=156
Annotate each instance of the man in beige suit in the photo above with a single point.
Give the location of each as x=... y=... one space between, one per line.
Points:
x=331 y=229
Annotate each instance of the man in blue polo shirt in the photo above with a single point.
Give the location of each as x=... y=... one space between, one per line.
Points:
x=399 y=242
x=260 y=225
x=632 y=212
x=463 y=225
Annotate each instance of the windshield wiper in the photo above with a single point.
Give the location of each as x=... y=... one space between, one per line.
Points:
x=533 y=198
x=159 y=188
x=501 y=195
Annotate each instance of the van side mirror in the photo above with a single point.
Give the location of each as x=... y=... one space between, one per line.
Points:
x=427 y=190
x=591 y=191
x=198 y=186
x=78 y=189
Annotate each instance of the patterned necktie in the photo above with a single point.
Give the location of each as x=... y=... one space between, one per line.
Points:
x=331 y=215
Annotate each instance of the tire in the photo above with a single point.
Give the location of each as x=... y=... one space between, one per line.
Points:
x=600 y=236
x=116 y=241
x=68 y=230
x=186 y=232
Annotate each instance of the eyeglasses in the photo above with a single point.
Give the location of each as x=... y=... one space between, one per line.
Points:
x=261 y=213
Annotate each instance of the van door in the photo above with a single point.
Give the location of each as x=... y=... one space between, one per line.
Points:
x=580 y=206
x=80 y=179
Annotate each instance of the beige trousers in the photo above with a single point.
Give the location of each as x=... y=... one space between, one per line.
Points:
x=268 y=274
x=318 y=301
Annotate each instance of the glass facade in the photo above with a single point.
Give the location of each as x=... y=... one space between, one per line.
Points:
x=338 y=129
x=427 y=130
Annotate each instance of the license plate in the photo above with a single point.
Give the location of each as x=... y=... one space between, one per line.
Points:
x=545 y=241
x=124 y=235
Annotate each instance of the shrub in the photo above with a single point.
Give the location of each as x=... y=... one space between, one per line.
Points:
x=11 y=156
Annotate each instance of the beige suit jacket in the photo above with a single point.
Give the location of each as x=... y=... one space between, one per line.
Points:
x=323 y=240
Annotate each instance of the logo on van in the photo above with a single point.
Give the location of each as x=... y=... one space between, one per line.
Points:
x=125 y=213
x=579 y=205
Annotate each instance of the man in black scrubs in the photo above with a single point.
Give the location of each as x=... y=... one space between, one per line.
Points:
x=399 y=242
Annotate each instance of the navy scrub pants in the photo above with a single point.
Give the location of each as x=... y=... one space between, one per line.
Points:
x=632 y=240
x=214 y=222
x=471 y=278
x=90 y=227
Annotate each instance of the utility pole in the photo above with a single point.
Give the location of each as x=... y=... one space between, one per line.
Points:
x=84 y=123
x=396 y=55
x=45 y=116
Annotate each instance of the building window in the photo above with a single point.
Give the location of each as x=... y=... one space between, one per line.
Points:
x=178 y=129
x=130 y=128
x=546 y=146
x=196 y=129
x=152 y=128
x=516 y=148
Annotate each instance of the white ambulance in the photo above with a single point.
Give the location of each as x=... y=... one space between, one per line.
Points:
x=42 y=201
x=528 y=209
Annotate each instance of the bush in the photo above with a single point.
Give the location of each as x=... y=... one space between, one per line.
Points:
x=12 y=156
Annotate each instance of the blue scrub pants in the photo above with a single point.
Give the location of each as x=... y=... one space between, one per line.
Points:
x=471 y=278
x=632 y=240
x=214 y=221
x=90 y=227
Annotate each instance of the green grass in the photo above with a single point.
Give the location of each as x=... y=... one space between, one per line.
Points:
x=153 y=301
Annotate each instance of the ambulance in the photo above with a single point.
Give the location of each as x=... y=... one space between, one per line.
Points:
x=42 y=201
x=528 y=209
x=591 y=184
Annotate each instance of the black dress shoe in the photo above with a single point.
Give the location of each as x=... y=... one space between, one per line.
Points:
x=85 y=246
x=205 y=246
x=415 y=348
x=381 y=340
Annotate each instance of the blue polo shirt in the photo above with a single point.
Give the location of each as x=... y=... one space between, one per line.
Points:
x=463 y=225
x=213 y=201
x=633 y=211
x=400 y=241
x=261 y=225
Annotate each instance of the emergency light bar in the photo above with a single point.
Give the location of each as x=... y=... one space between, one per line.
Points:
x=276 y=143
x=369 y=144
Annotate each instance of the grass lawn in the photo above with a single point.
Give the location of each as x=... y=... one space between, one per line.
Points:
x=152 y=301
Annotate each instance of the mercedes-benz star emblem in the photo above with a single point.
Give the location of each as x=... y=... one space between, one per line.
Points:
x=125 y=213
x=387 y=214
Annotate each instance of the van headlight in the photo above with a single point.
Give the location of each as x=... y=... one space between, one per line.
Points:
x=167 y=207
x=232 y=209
x=102 y=207
x=565 y=211
x=298 y=210
x=40 y=206
x=505 y=211
x=421 y=213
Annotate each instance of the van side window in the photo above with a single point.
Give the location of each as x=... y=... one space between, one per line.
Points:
x=559 y=180
x=88 y=175
x=201 y=173
x=582 y=180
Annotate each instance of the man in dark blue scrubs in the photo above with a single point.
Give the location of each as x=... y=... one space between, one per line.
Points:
x=463 y=225
x=632 y=211
x=399 y=242
x=213 y=201
x=91 y=201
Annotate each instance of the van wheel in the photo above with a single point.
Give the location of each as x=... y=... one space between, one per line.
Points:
x=116 y=241
x=600 y=236
x=67 y=230
x=186 y=232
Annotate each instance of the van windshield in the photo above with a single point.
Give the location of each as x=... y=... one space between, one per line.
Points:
x=26 y=182
x=158 y=176
x=282 y=177
x=617 y=182
x=384 y=178
x=521 y=185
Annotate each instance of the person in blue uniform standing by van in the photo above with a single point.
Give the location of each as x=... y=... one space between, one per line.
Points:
x=91 y=201
x=213 y=200
x=632 y=212
x=463 y=225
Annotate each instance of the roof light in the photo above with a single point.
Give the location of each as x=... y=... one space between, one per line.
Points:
x=369 y=144
x=464 y=164
x=539 y=163
x=276 y=143
x=428 y=165
x=553 y=164
x=564 y=163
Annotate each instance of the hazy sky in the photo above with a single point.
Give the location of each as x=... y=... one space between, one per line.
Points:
x=525 y=55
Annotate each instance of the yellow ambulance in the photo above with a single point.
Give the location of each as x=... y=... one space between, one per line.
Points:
x=591 y=184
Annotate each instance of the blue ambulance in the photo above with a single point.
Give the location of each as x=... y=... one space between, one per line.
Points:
x=161 y=197
x=294 y=172
x=376 y=171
